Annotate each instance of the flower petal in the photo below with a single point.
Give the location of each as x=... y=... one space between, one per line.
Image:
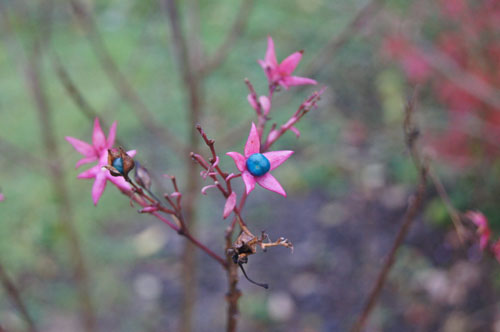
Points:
x=132 y=153
x=296 y=80
x=111 y=136
x=270 y=183
x=90 y=173
x=277 y=158
x=98 y=138
x=85 y=160
x=288 y=65
x=239 y=160
x=295 y=131
x=265 y=103
x=119 y=182
x=253 y=142
x=98 y=187
x=270 y=53
x=251 y=101
x=249 y=181
x=83 y=147
x=230 y=204
x=477 y=218
x=270 y=72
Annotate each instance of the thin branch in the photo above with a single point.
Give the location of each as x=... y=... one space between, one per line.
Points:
x=15 y=296
x=72 y=90
x=411 y=134
x=34 y=83
x=119 y=80
x=140 y=197
x=18 y=154
x=233 y=294
x=360 y=19
x=193 y=88
x=234 y=33
x=452 y=211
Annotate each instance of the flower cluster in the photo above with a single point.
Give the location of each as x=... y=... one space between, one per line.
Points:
x=254 y=165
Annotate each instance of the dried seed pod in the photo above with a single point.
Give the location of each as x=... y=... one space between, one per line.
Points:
x=119 y=162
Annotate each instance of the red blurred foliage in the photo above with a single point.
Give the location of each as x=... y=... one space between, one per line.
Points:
x=469 y=42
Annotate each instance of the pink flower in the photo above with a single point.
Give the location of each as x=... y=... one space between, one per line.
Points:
x=2 y=197
x=255 y=166
x=92 y=152
x=282 y=73
x=264 y=102
x=98 y=151
x=483 y=228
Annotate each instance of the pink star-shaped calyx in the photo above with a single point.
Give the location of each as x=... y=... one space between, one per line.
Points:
x=98 y=151
x=255 y=166
x=282 y=73
x=92 y=152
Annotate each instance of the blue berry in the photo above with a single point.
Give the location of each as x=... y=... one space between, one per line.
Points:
x=258 y=164
x=118 y=164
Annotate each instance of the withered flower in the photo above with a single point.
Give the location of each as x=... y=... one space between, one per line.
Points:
x=119 y=162
x=142 y=176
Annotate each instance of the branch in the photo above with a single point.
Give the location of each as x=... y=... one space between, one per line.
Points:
x=193 y=88
x=360 y=19
x=120 y=82
x=452 y=211
x=234 y=33
x=140 y=197
x=15 y=296
x=72 y=90
x=411 y=134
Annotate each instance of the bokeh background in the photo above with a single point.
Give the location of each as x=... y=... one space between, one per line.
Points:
x=348 y=183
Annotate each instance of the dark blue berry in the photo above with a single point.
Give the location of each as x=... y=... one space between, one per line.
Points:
x=118 y=164
x=258 y=164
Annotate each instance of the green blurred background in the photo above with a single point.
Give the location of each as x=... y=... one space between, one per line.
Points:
x=347 y=184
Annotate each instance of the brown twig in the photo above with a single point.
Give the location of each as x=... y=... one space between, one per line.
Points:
x=140 y=197
x=234 y=33
x=452 y=211
x=65 y=211
x=360 y=19
x=34 y=83
x=15 y=296
x=193 y=87
x=303 y=109
x=18 y=154
x=233 y=294
x=411 y=134
x=71 y=89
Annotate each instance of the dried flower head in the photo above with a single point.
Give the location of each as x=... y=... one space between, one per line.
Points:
x=119 y=162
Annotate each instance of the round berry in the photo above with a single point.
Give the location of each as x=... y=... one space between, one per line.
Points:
x=258 y=164
x=118 y=164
